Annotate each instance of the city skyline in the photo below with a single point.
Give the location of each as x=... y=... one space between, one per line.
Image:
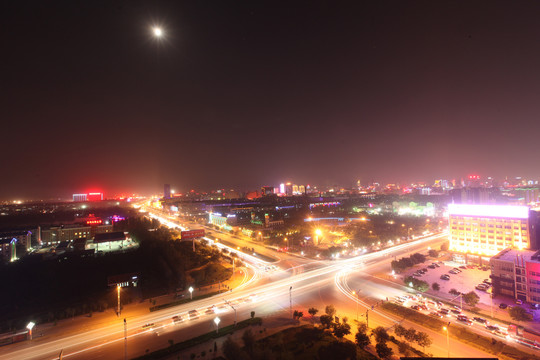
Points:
x=241 y=95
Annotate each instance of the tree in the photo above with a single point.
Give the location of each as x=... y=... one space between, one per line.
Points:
x=362 y=327
x=433 y=253
x=297 y=314
x=383 y=350
x=249 y=341
x=380 y=333
x=453 y=292
x=444 y=247
x=312 y=311
x=330 y=310
x=362 y=340
x=404 y=348
x=423 y=340
x=342 y=329
x=326 y=321
x=410 y=335
x=400 y=330
x=519 y=314
x=471 y=298
x=252 y=314
x=435 y=286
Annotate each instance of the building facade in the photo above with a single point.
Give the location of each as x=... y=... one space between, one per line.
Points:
x=517 y=274
x=489 y=229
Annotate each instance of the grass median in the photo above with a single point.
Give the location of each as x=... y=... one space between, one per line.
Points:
x=491 y=345
x=159 y=354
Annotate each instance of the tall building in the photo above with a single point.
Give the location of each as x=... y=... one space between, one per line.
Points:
x=167 y=191
x=489 y=229
x=267 y=190
x=95 y=196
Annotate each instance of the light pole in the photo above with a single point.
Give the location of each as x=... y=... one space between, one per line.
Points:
x=287 y=240
x=191 y=292
x=118 y=295
x=232 y=307
x=318 y=233
x=367 y=318
x=125 y=339
x=30 y=326
x=357 y=300
x=217 y=320
x=446 y=328
x=290 y=300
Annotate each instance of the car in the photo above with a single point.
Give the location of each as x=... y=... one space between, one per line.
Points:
x=519 y=302
x=503 y=306
x=481 y=287
x=435 y=264
x=431 y=266
x=535 y=306
x=487 y=281
x=464 y=319
x=423 y=307
x=417 y=275
x=492 y=328
x=425 y=270
x=148 y=325
x=415 y=307
x=463 y=267
x=177 y=319
x=470 y=266
x=193 y=314
x=444 y=312
x=455 y=311
x=445 y=277
x=211 y=310
x=436 y=314
x=480 y=320
x=456 y=269
x=485 y=268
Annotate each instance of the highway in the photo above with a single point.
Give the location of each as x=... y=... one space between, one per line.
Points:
x=314 y=283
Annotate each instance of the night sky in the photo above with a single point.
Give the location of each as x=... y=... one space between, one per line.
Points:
x=244 y=94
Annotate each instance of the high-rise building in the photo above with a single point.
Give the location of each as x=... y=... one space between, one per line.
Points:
x=267 y=190
x=95 y=196
x=489 y=229
x=167 y=191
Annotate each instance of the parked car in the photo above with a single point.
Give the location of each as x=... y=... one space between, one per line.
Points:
x=519 y=302
x=463 y=267
x=452 y=271
x=436 y=314
x=445 y=277
x=456 y=269
x=485 y=268
x=431 y=266
x=425 y=270
x=415 y=307
x=487 y=281
x=481 y=287
x=423 y=307
x=503 y=306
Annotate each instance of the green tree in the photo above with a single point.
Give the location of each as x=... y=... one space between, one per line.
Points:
x=362 y=327
x=380 y=333
x=342 y=329
x=400 y=330
x=312 y=311
x=435 y=286
x=252 y=314
x=330 y=310
x=410 y=335
x=433 y=253
x=423 y=340
x=519 y=314
x=471 y=298
x=444 y=247
x=383 y=350
x=326 y=321
x=362 y=340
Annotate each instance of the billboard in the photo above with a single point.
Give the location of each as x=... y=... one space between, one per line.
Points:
x=190 y=234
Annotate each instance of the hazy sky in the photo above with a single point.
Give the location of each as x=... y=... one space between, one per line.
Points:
x=243 y=94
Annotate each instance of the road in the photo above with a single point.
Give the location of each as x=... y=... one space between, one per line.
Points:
x=268 y=294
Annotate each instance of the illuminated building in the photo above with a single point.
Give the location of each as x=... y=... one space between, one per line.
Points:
x=58 y=234
x=95 y=196
x=79 y=197
x=489 y=229
x=8 y=240
x=267 y=190
x=282 y=188
x=302 y=189
x=517 y=273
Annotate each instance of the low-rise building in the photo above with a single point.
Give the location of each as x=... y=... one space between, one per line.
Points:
x=516 y=273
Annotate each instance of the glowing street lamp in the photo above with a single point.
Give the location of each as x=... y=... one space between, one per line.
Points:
x=30 y=326
x=445 y=328
x=191 y=292
x=216 y=321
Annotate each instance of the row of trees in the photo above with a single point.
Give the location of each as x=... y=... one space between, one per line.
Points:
x=407 y=262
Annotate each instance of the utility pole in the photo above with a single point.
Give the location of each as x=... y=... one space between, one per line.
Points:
x=125 y=339
x=118 y=291
x=232 y=307
x=290 y=300
x=193 y=244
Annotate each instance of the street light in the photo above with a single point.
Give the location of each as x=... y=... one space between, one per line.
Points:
x=287 y=240
x=290 y=300
x=30 y=326
x=191 y=292
x=217 y=320
x=357 y=301
x=445 y=328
